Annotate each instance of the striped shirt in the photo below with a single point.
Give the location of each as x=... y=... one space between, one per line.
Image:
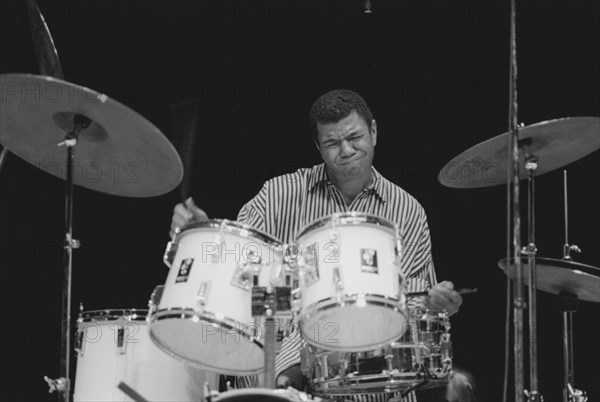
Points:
x=287 y=203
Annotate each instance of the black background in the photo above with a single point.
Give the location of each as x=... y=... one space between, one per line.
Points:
x=435 y=74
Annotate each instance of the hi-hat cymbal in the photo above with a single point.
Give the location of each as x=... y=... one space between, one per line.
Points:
x=553 y=143
x=556 y=276
x=119 y=153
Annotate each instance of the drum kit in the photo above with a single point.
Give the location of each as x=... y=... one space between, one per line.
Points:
x=233 y=292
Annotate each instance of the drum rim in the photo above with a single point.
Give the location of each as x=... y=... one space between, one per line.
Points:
x=370 y=299
x=189 y=314
x=130 y=314
x=253 y=391
x=351 y=217
x=232 y=227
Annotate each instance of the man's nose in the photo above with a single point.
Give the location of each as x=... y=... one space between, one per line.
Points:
x=346 y=149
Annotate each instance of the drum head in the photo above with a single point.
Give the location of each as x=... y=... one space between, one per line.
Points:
x=227 y=226
x=347 y=218
x=343 y=329
x=219 y=347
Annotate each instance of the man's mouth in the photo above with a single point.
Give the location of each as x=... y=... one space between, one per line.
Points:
x=350 y=162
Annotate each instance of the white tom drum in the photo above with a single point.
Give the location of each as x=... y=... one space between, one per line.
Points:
x=113 y=346
x=205 y=313
x=351 y=288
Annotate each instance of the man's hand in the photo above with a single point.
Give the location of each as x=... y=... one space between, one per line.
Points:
x=443 y=297
x=291 y=377
x=184 y=214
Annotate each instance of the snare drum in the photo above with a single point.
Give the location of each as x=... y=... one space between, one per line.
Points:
x=421 y=358
x=114 y=346
x=351 y=287
x=205 y=314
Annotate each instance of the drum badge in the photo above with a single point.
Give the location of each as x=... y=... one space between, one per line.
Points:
x=368 y=260
x=184 y=270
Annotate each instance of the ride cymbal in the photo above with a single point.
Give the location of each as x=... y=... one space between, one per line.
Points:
x=552 y=143
x=119 y=153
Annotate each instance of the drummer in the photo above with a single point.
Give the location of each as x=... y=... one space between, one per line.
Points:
x=345 y=134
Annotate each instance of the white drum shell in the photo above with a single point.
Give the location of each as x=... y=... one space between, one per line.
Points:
x=102 y=365
x=368 y=310
x=216 y=331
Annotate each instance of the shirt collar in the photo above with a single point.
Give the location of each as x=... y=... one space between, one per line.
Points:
x=319 y=176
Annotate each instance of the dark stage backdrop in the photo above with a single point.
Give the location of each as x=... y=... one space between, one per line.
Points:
x=435 y=74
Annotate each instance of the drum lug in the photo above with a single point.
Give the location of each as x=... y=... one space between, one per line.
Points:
x=296 y=304
x=334 y=235
x=170 y=252
x=337 y=280
x=80 y=332
x=202 y=295
x=155 y=299
x=79 y=342
x=397 y=247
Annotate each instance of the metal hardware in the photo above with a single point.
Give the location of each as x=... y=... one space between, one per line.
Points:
x=397 y=245
x=337 y=280
x=243 y=275
x=59 y=385
x=170 y=252
x=202 y=295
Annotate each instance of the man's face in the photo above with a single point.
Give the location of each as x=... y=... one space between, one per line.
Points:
x=347 y=147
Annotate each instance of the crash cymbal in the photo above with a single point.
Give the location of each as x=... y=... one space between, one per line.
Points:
x=553 y=143
x=119 y=153
x=556 y=276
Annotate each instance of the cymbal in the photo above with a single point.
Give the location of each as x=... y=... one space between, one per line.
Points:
x=119 y=153
x=556 y=276
x=553 y=143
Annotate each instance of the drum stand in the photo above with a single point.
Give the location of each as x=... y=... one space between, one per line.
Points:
x=267 y=301
x=63 y=384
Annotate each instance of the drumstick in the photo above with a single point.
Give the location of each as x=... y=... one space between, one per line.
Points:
x=130 y=392
x=462 y=291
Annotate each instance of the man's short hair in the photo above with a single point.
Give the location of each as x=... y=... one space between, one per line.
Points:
x=336 y=105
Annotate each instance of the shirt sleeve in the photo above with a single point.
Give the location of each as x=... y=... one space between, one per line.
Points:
x=254 y=212
x=422 y=275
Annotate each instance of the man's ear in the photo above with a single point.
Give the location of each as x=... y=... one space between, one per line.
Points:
x=374 y=132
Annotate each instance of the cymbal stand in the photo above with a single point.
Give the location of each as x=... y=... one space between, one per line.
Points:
x=63 y=384
x=568 y=305
x=567 y=248
x=530 y=251
x=513 y=214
